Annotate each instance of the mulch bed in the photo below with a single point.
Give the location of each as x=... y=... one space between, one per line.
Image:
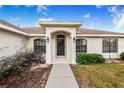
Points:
x=33 y=76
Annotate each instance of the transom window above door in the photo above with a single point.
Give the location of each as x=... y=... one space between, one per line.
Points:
x=60 y=36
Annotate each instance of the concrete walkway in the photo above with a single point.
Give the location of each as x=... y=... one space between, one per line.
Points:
x=61 y=76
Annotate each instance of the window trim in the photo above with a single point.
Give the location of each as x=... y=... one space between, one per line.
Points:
x=41 y=46
x=110 y=46
x=85 y=46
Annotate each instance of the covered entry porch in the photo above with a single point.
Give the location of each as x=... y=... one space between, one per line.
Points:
x=61 y=47
x=60 y=41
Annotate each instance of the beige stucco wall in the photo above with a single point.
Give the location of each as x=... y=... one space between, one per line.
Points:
x=30 y=41
x=120 y=45
x=71 y=46
x=68 y=51
x=94 y=45
x=11 y=42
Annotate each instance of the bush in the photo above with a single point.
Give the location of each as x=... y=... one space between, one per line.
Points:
x=87 y=58
x=122 y=55
x=15 y=63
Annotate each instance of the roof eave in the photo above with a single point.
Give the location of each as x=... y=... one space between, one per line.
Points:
x=59 y=24
x=99 y=35
x=4 y=27
x=30 y=35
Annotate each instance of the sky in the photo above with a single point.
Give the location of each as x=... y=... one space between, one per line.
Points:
x=110 y=18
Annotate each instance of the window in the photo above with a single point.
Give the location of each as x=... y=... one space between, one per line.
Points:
x=39 y=46
x=81 y=45
x=110 y=45
x=60 y=36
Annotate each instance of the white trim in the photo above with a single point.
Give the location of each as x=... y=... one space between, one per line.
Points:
x=36 y=34
x=13 y=30
x=19 y=31
x=97 y=35
x=59 y=23
x=85 y=35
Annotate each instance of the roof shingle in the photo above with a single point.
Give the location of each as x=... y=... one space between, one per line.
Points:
x=91 y=31
x=40 y=30
x=34 y=30
x=9 y=24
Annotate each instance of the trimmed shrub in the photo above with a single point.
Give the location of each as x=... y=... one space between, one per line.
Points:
x=87 y=58
x=122 y=55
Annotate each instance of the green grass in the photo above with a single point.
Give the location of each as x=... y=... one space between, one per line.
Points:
x=100 y=75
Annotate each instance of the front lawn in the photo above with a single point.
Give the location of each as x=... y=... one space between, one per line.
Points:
x=100 y=75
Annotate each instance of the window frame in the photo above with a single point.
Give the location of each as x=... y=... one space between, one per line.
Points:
x=111 y=47
x=81 y=48
x=41 y=48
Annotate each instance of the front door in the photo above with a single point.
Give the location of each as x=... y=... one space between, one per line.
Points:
x=60 y=45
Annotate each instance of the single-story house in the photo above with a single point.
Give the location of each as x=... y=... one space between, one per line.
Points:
x=59 y=41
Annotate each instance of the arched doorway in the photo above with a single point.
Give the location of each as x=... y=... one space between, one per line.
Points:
x=60 y=40
x=61 y=45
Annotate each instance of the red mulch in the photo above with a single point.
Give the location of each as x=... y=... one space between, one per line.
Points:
x=27 y=78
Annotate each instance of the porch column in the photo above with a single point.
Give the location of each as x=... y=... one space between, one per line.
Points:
x=73 y=50
x=48 y=49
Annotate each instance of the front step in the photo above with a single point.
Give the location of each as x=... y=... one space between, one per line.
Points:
x=61 y=61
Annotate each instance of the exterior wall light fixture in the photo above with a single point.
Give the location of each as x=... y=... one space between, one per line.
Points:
x=74 y=39
x=47 y=39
